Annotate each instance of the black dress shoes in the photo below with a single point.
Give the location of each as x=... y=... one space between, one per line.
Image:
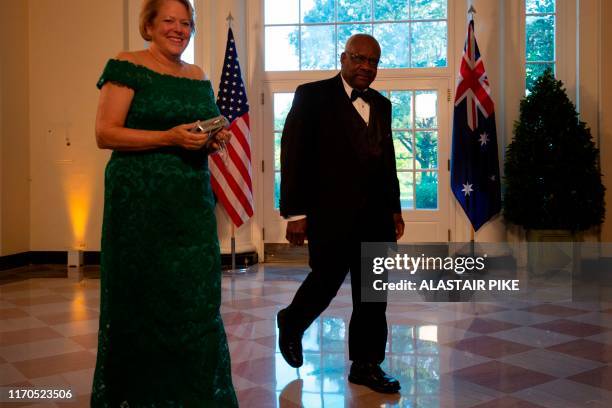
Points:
x=372 y=376
x=289 y=341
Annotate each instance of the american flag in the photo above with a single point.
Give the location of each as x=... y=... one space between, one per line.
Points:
x=231 y=177
x=474 y=159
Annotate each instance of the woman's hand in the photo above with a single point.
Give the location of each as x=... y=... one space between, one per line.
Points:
x=182 y=136
x=219 y=140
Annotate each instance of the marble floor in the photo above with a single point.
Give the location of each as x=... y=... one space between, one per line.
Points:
x=513 y=354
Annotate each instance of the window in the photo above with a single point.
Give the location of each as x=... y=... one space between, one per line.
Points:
x=188 y=54
x=540 y=23
x=415 y=138
x=414 y=122
x=305 y=35
x=282 y=105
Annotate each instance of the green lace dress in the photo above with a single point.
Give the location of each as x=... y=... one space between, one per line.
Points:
x=161 y=340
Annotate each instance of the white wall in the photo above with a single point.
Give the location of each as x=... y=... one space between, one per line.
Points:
x=14 y=124
x=70 y=40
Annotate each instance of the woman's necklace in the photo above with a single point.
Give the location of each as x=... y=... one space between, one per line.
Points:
x=174 y=70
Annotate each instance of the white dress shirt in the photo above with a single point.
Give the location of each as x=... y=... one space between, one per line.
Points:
x=363 y=108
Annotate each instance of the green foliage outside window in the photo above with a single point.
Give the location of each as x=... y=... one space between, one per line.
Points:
x=540 y=26
x=404 y=42
x=415 y=138
x=427 y=191
x=540 y=6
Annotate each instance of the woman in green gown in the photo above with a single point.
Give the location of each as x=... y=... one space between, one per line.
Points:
x=161 y=339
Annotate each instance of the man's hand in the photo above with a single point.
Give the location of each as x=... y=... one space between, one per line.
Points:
x=296 y=231
x=399 y=225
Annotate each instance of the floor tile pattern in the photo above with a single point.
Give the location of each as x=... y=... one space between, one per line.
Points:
x=515 y=354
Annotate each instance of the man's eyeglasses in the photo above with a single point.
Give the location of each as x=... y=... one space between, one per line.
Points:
x=362 y=59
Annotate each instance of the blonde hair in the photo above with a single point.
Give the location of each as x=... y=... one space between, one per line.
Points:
x=149 y=11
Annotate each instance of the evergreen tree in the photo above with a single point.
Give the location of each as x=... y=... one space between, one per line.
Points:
x=552 y=171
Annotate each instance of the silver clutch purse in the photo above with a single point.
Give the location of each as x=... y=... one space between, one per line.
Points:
x=211 y=126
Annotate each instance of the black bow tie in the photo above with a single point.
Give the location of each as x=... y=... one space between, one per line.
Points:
x=360 y=94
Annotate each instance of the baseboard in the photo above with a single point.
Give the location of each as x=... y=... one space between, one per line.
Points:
x=243 y=260
x=33 y=258
x=14 y=261
x=93 y=258
x=48 y=257
x=285 y=253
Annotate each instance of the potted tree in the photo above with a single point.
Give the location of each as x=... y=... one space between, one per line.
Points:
x=552 y=175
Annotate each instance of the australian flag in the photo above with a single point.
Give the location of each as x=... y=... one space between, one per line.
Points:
x=474 y=160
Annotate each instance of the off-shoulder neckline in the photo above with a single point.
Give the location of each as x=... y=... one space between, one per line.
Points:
x=140 y=66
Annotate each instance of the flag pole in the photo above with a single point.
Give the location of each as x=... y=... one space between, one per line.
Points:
x=234 y=270
x=476 y=173
x=472 y=242
x=233 y=246
x=471 y=12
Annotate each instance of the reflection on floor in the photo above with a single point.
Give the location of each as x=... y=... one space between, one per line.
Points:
x=512 y=354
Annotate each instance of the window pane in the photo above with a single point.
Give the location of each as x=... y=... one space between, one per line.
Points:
x=404 y=44
x=428 y=44
x=282 y=11
x=277 y=150
x=393 y=39
x=318 y=51
x=427 y=150
x=354 y=10
x=282 y=104
x=540 y=38
x=533 y=72
x=540 y=6
x=391 y=10
x=346 y=30
x=318 y=11
x=406 y=189
x=277 y=181
x=401 y=105
x=282 y=49
x=426 y=108
x=426 y=190
x=188 y=55
x=403 y=145
x=427 y=9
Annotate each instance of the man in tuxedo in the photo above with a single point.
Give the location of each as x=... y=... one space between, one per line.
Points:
x=339 y=188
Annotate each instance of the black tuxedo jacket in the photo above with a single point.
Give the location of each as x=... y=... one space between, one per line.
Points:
x=335 y=169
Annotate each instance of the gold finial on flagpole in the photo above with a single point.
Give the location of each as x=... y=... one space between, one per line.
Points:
x=230 y=19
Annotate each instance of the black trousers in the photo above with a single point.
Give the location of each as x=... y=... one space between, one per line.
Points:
x=330 y=262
